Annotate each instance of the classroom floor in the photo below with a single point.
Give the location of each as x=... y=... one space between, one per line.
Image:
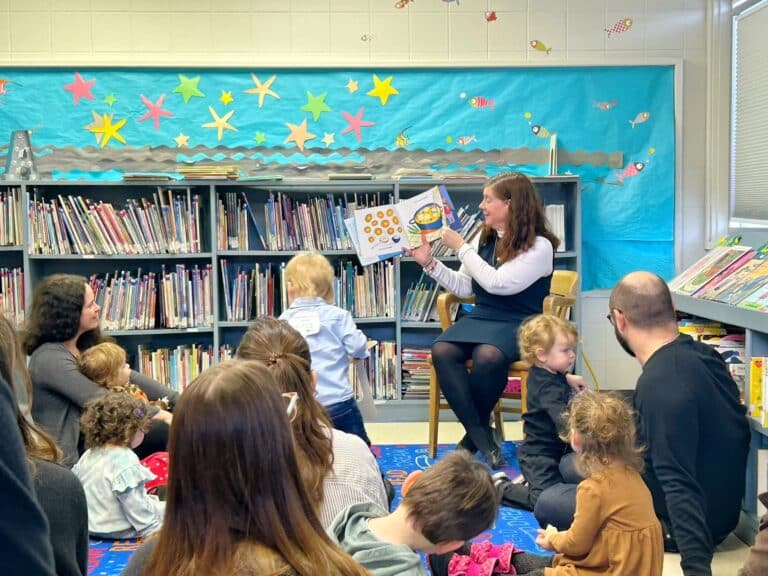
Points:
x=728 y=558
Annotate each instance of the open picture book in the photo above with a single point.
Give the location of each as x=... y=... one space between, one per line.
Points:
x=381 y=232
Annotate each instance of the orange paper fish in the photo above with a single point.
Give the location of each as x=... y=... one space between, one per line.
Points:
x=480 y=102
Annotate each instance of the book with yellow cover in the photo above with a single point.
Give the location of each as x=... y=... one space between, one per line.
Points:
x=755 y=406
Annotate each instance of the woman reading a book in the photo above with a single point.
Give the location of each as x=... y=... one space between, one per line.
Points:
x=63 y=322
x=508 y=268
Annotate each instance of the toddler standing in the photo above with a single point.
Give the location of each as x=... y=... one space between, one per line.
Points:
x=332 y=337
x=548 y=343
x=113 y=479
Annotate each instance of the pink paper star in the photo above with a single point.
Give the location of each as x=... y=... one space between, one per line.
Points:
x=80 y=88
x=154 y=110
x=355 y=123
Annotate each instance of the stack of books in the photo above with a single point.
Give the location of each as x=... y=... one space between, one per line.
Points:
x=209 y=172
x=248 y=293
x=381 y=368
x=170 y=223
x=420 y=299
x=415 y=373
x=12 y=295
x=731 y=274
x=175 y=367
x=10 y=217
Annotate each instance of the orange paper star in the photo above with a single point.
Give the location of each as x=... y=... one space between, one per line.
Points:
x=299 y=134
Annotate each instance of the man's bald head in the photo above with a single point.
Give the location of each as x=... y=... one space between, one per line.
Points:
x=645 y=300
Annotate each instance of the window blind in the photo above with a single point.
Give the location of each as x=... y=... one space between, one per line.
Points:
x=749 y=121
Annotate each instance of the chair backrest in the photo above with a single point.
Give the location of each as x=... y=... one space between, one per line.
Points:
x=562 y=293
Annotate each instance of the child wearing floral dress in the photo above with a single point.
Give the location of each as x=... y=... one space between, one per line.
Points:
x=112 y=476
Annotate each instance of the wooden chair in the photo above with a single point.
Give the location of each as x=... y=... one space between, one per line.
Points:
x=561 y=298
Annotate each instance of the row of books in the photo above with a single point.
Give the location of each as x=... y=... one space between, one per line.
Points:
x=178 y=298
x=233 y=215
x=729 y=273
x=419 y=304
x=10 y=217
x=730 y=344
x=251 y=291
x=175 y=367
x=381 y=370
x=471 y=224
x=169 y=223
x=12 y=295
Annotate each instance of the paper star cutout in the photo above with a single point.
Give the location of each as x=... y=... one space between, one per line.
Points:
x=98 y=122
x=316 y=105
x=110 y=99
x=188 y=87
x=226 y=97
x=109 y=130
x=299 y=134
x=80 y=88
x=260 y=138
x=352 y=86
x=154 y=110
x=329 y=139
x=220 y=123
x=382 y=90
x=355 y=123
x=182 y=140
x=262 y=89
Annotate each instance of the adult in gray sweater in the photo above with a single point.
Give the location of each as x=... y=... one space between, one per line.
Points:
x=64 y=321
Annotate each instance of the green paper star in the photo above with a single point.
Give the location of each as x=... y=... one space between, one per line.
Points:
x=260 y=138
x=188 y=87
x=110 y=99
x=316 y=105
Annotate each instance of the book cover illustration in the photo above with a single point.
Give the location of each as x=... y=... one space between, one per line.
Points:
x=742 y=282
x=710 y=270
x=757 y=301
x=383 y=231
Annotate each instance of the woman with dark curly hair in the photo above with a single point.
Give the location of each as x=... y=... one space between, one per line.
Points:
x=63 y=321
x=113 y=478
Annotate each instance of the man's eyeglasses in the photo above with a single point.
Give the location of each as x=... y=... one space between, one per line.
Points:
x=291 y=404
x=609 y=316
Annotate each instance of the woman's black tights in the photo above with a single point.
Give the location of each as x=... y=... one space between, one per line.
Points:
x=473 y=394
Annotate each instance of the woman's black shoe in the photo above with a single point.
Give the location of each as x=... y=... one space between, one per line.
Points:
x=466 y=444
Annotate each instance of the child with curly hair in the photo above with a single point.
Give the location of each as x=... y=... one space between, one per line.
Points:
x=113 y=479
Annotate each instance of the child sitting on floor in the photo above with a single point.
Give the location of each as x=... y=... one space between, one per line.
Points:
x=332 y=337
x=105 y=364
x=450 y=502
x=548 y=343
x=615 y=531
x=113 y=479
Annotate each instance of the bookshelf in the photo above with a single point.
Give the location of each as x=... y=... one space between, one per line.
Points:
x=755 y=326
x=213 y=248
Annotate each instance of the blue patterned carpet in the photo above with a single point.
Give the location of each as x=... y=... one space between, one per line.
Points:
x=108 y=558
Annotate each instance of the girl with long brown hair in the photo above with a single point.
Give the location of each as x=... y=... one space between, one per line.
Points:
x=236 y=500
x=338 y=469
x=508 y=268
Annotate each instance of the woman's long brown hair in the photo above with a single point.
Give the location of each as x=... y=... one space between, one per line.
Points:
x=286 y=354
x=37 y=443
x=236 y=501
x=526 y=218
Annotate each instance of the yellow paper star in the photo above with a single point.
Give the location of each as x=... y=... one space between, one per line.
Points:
x=182 y=140
x=220 y=123
x=98 y=122
x=329 y=139
x=382 y=90
x=299 y=134
x=226 y=97
x=109 y=130
x=262 y=89
x=352 y=86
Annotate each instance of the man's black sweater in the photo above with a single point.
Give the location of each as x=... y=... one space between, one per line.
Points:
x=697 y=439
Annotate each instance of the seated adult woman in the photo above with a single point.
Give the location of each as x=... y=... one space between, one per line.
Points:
x=236 y=501
x=58 y=490
x=63 y=321
x=338 y=468
x=508 y=268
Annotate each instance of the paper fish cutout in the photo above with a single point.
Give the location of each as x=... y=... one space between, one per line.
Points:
x=540 y=131
x=490 y=16
x=401 y=140
x=402 y=3
x=605 y=105
x=619 y=27
x=632 y=170
x=540 y=46
x=464 y=140
x=640 y=118
x=481 y=102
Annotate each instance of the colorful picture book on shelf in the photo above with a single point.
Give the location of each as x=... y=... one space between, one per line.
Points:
x=708 y=269
x=757 y=301
x=741 y=282
x=383 y=231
